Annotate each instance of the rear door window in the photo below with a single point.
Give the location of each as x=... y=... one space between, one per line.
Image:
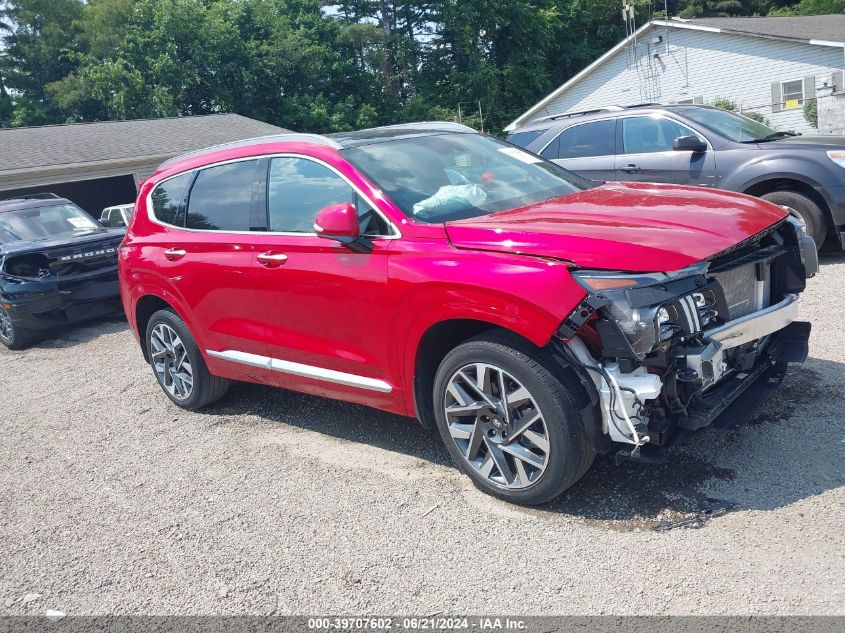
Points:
x=168 y=198
x=597 y=138
x=221 y=197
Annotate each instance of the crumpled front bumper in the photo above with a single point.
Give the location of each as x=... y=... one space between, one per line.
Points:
x=45 y=303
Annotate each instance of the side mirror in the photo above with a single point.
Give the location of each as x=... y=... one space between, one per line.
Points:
x=689 y=144
x=339 y=222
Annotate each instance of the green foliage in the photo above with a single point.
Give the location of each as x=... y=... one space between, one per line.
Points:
x=724 y=104
x=310 y=65
x=811 y=112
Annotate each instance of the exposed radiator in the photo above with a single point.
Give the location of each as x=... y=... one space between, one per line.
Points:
x=744 y=294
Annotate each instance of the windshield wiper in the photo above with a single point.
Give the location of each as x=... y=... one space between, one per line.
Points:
x=773 y=136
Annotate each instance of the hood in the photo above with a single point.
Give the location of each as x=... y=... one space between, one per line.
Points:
x=807 y=141
x=635 y=227
x=65 y=241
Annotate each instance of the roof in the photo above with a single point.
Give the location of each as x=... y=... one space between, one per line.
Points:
x=77 y=143
x=31 y=202
x=392 y=132
x=292 y=137
x=337 y=140
x=806 y=27
x=816 y=30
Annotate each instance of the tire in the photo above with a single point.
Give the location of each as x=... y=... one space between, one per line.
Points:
x=11 y=335
x=175 y=357
x=554 y=450
x=808 y=210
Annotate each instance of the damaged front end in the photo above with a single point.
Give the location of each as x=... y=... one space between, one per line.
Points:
x=670 y=353
x=44 y=288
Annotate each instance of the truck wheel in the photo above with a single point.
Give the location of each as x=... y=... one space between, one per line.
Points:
x=808 y=210
x=508 y=421
x=11 y=335
x=178 y=364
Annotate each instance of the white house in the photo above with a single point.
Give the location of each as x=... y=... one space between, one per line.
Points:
x=768 y=65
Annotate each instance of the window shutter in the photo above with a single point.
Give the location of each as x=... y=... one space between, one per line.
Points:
x=837 y=80
x=810 y=87
x=777 y=99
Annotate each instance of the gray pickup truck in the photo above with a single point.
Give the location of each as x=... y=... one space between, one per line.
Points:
x=704 y=146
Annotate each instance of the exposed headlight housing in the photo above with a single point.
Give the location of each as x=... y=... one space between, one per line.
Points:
x=644 y=327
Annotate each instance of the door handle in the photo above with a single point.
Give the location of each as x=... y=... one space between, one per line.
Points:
x=631 y=169
x=174 y=254
x=272 y=260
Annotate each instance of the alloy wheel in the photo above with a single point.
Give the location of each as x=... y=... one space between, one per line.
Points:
x=170 y=361
x=497 y=426
x=5 y=326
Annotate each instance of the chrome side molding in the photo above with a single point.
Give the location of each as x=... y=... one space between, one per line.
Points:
x=306 y=371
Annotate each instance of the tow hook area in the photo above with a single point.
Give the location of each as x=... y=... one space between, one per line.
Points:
x=640 y=455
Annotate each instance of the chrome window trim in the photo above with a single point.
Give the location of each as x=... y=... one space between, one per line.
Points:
x=395 y=232
x=300 y=369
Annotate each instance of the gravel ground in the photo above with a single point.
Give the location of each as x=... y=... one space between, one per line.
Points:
x=112 y=500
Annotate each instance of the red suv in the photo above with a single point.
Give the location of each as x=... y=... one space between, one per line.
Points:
x=533 y=317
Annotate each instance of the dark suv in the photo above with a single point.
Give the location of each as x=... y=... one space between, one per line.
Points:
x=700 y=145
x=58 y=265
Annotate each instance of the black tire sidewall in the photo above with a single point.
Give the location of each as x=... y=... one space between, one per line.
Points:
x=19 y=338
x=808 y=210
x=567 y=440
x=200 y=371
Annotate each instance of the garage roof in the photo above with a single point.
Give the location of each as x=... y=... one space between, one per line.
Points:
x=79 y=151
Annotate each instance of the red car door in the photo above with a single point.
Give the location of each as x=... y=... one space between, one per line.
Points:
x=325 y=309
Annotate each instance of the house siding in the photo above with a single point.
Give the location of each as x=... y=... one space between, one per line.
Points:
x=703 y=64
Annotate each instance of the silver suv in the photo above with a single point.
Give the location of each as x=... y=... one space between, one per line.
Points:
x=704 y=146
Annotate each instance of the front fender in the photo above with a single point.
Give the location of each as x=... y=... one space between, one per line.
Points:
x=526 y=295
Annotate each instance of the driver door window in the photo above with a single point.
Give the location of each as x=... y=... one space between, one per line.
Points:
x=644 y=135
x=298 y=189
x=647 y=155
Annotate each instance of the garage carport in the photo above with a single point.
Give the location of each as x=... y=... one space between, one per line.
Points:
x=101 y=164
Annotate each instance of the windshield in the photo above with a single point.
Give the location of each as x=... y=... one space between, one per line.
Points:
x=45 y=223
x=454 y=176
x=733 y=126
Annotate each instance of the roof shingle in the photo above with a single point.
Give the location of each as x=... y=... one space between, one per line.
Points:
x=79 y=143
x=809 y=27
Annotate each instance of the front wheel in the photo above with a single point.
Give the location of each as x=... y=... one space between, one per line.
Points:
x=809 y=211
x=178 y=364
x=11 y=335
x=508 y=421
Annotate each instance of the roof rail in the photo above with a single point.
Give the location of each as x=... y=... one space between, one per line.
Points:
x=566 y=115
x=291 y=137
x=641 y=105
x=35 y=196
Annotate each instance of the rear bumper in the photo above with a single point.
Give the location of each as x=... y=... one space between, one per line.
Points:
x=44 y=304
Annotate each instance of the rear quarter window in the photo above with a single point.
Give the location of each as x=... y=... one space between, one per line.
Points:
x=168 y=198
x=524 y=139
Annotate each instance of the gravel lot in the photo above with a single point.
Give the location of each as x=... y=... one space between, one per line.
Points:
x=112 y=500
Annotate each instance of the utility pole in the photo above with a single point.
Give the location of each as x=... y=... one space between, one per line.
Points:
x=480 y=116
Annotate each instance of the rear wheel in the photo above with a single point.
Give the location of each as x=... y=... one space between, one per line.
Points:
x=178 y=364
x=809 y=211
x=508 y=421
x=11 y=335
